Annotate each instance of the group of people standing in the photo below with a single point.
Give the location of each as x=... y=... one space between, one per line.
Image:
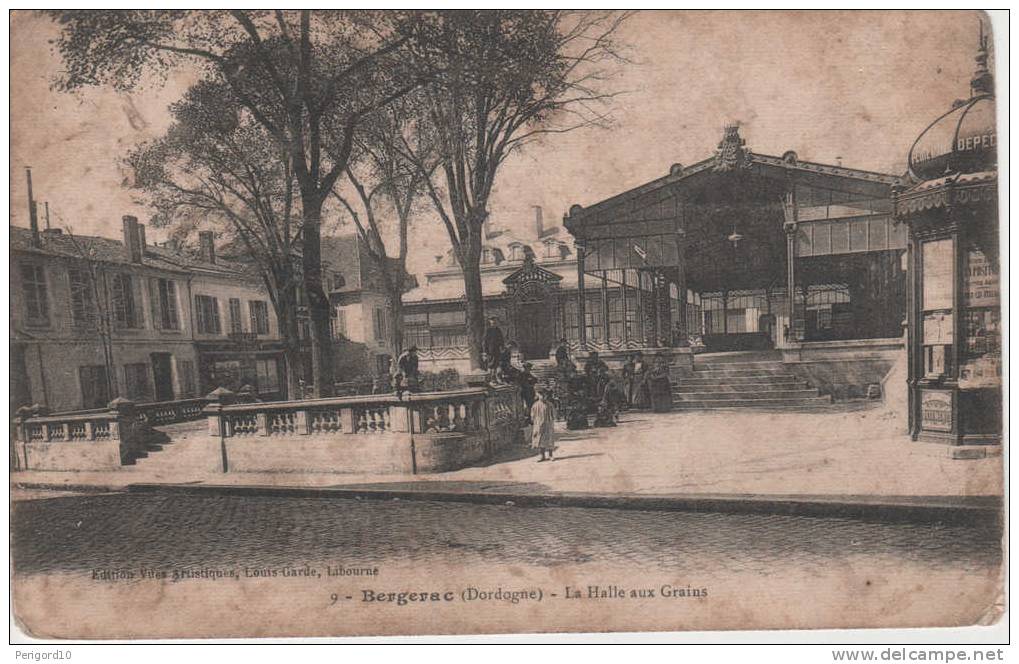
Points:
x=573 y=395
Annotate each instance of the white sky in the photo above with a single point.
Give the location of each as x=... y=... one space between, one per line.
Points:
x=859 y=86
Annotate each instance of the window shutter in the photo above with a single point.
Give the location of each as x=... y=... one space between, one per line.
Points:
x=200 y=314
x=157 y=319
x=215 y=316
x=171 y=305
x=253 y=313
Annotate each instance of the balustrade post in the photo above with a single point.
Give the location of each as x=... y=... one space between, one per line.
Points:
x=400 y=418
x=214 y=412
x=121 y=414
x=302 y=422
x=347 y=423
x=23 y=414
x=66 y=426
x=262 y=424
x=90 y=433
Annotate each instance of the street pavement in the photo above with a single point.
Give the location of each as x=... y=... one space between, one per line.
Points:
x=858 y=452
x=163 y=562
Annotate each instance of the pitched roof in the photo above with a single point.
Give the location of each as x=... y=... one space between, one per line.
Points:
x=107 y=250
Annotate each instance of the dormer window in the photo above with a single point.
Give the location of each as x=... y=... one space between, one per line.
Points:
x=486 y=256
x=552 y=250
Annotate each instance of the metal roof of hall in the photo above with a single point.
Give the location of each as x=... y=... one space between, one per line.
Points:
x=732 y=155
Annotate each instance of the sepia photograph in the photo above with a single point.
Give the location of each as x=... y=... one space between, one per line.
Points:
x=401 y=323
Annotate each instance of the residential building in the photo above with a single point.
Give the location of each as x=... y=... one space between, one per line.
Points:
x=94 y=318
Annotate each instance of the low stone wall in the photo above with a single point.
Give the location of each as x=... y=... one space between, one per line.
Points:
x=391 y=453
x=844 y=369
x=92 y=455
x=372 y=434
x=383 y=453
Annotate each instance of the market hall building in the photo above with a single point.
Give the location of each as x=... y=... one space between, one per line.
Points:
x=743 y=251
x=702 y=259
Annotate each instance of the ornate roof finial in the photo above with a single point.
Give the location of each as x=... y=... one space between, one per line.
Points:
x=732 y=153
x=982 y=82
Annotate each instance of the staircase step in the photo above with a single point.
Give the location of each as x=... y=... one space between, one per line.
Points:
x=744 y=396
x=733 y=381
x=724 y=366
x=722 y=373
x=705 y=404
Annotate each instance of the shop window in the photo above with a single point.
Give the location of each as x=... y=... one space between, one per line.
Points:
x=137 y=385
x=937 y=300
x=267 y=376
x=207 y=315
x=981 y=362
x=95 y=386
x=226 y=373
x=186 y=378
x=33 y=281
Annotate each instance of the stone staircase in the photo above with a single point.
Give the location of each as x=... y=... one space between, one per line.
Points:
x=542 y=369
x=177 y=448
x=743 y=380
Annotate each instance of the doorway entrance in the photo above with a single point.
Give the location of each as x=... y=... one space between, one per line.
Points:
x=534 y=330
x=162 y=375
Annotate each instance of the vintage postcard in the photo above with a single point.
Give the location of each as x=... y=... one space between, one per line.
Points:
x=334 y=323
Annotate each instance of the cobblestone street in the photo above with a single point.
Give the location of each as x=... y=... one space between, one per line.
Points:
x=132 y=552
x=116 y=531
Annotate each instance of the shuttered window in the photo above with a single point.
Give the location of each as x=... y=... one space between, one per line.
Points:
x=33 y=279
x=207 y=315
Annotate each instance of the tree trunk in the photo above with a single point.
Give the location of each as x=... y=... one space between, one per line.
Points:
x=290 y=337
x=475 y=310
x=396 y=326
x=318 y=300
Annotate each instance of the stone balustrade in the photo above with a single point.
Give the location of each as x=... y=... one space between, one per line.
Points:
x=97 y=439
x=411 y=432
x=379 y=433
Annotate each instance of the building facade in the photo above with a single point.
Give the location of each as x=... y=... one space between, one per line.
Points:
x=362 y=314
x=93 y=319
x=950 y=204
x=742 y=251
x=707 y=256
x=529 y=282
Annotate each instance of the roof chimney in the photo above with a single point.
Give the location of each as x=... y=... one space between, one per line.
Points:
x=33 y=218
x=141 y=238
x=539 y=224
x=207 y=248
x=131 y=245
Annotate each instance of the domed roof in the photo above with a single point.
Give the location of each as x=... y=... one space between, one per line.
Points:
x=963 y=140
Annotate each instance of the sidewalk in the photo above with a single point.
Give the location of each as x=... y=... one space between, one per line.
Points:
x=689 y=460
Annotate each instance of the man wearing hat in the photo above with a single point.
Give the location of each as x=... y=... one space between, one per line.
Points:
x=492 y=344
x=407 y=366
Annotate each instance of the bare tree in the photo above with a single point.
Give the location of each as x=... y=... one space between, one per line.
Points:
x=383 y=180
x=308 y=78
x=91 y=302
x=217 y=167
x=499 y=80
